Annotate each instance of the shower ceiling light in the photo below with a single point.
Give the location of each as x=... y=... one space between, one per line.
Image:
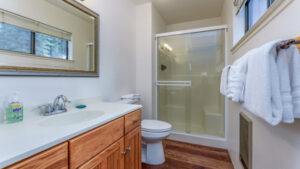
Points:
x=168 y=47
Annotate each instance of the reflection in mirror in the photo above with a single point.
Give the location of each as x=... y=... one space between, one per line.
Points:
x=19 y=34
x=48 y=35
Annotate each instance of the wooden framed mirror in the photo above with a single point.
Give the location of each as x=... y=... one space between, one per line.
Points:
x=48 y=38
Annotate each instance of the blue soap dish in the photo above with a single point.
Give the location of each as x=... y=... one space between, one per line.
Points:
x=81 y=106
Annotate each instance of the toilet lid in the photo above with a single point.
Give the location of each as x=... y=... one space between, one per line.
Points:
x=155 y=126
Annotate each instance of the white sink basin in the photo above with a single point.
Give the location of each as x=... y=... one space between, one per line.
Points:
x=70 y=118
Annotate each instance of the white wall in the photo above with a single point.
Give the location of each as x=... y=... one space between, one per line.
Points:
x=144 y=57
x=195 y=24
x=148 y=23
x=227 y=18
x=117 y=62
x=273 y=147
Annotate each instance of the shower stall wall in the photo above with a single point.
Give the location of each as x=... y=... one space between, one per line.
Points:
x=189 y=66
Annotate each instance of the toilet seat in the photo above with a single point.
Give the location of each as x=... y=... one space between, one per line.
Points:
x=155 y=126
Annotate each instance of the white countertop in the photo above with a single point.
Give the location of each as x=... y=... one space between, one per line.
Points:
x=24 y=139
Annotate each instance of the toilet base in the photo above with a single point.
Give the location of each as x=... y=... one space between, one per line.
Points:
x=153 y=153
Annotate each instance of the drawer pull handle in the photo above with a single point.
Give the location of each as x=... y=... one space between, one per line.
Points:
x=128 y=148
x=135 y=121
x=123 y=153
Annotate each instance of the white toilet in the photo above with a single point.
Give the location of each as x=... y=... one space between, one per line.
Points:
x=153 y=132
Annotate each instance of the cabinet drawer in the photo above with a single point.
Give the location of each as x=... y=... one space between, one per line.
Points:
x=53 y=158
x=132 y=120
x=87 y=145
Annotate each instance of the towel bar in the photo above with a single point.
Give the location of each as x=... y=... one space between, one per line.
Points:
x=286 y=44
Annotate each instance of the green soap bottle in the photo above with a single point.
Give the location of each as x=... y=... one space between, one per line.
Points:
x=14 y=112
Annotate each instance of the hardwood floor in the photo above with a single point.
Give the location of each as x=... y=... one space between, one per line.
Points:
x=188 y=156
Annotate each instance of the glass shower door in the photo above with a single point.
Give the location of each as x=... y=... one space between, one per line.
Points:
x=188 y=78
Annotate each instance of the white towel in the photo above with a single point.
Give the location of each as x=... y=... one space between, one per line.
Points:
x=224 y=80
x=262 y=89
x=295 y=79
x=284 y=61
x=236 y=79
x=131 y=96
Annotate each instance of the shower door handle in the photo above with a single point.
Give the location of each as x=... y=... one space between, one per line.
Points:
x=174 y=83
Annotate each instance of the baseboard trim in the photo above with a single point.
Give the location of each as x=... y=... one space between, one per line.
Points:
x=209 y=141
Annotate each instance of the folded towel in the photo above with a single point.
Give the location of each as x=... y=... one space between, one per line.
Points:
x=262 y=90
x=131 y=96
x=295 y=79
x=284 y=61
x=236 y=79
x=224 y=80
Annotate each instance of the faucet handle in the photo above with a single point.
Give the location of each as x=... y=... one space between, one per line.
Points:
x=65 y=99
x=46 y=109
x=68 y=101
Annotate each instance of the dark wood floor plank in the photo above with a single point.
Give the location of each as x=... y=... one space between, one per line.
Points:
x=194 y=151
x=188 y=156
x=198 y=147
x=173 y=163
x=198 y=160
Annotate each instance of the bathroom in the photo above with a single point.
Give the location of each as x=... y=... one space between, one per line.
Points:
x=148 y=65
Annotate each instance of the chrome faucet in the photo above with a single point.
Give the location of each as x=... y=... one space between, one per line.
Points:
x=57 y=106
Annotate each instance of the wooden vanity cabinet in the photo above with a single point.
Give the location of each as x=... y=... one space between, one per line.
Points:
x=53 y=158
x=133 y=140
x=114 y=145
x=84 y=147
x=132 y=120
x=110 y=158
x=133 y=157
x=118 y=156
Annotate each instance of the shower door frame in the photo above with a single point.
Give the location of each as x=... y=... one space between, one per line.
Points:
x=220 y=140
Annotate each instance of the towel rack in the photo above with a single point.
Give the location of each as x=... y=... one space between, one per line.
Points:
x=174 y=83
x=286 y=44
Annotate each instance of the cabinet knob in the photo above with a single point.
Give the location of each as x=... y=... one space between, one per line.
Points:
x=128 y=148
x=123 y=153
x=135 y=121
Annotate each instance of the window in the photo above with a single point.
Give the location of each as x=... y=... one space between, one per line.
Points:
x=50 y=46
x=254 y=9
x=14 y=39
x=17 y=39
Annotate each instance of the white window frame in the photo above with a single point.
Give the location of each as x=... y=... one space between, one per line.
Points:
x=277 y=7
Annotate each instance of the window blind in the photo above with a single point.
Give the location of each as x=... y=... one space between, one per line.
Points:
x=31 y=25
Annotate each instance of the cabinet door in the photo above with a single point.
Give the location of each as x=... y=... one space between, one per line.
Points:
x=86 y=146
x=53 y=158
x=133 y=146
x=111 y=158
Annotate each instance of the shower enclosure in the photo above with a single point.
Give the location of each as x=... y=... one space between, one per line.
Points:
x=189 y=66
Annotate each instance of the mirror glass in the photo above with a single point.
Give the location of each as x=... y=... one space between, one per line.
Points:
x=54 y=37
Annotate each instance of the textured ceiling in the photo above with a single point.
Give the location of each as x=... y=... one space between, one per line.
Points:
x=176 y=11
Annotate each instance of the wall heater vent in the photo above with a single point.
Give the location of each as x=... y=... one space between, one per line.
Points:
x=246 y=141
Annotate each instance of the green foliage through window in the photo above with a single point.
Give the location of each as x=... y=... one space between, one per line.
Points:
x=20 y=40
x=14 y=39
x=49 y=46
